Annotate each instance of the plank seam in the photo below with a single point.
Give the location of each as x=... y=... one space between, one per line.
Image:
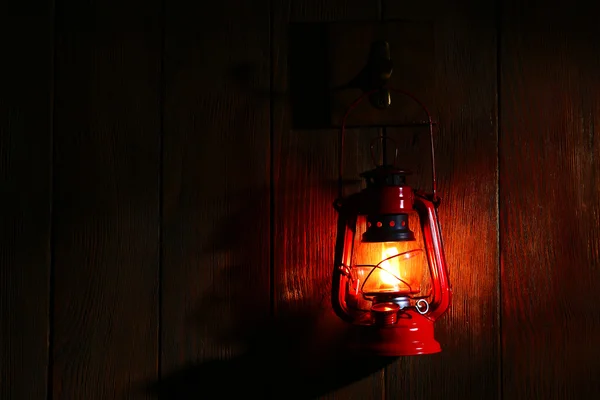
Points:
x=500 y=366
x=51 y=276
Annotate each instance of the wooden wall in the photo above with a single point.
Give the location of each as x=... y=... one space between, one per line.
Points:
x=166 y=231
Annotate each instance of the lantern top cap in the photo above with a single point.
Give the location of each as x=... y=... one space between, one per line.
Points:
x=386 y=175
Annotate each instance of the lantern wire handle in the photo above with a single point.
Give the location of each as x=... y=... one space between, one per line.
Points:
x=343 y=134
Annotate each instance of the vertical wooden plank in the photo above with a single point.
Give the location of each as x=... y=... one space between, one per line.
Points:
x=216 y=296
x=464 y=93
x=550 y=207
x=106 y=198
x=26 y=40
x=304 y=178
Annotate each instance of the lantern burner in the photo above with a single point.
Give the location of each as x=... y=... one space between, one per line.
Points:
x=402 y=301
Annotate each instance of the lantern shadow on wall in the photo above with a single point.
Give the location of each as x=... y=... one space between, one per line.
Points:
x=304 y=349
x=296 y=354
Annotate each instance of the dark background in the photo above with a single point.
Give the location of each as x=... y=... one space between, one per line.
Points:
x=165 y=229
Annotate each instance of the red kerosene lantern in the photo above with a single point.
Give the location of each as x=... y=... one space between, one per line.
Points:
x=388 y=279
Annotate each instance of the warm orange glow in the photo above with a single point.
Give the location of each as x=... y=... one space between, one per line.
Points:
x=392 y=266
x=389 y=268
x=398 y=274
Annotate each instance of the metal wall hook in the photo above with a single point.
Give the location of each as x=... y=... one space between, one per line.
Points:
x=381 y=67
x=375 y=75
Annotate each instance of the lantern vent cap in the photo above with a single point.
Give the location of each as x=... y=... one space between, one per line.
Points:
x=386 y=175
